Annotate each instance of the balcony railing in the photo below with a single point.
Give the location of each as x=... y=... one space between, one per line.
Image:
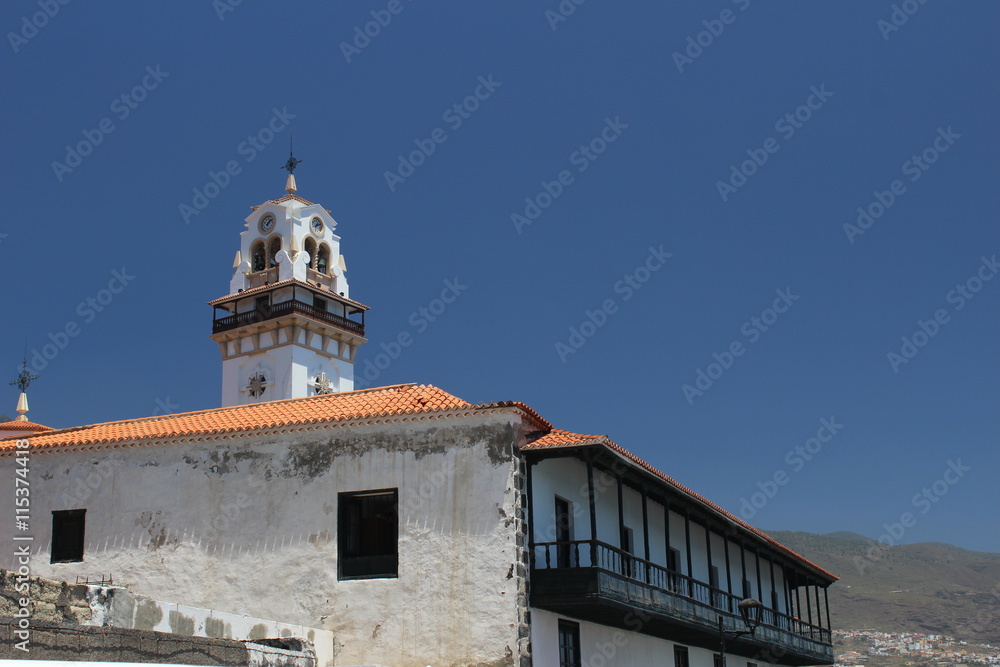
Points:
x=662 y=585
x=284 y=308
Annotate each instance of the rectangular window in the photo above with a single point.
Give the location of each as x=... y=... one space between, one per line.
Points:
x=564 y=532
x=718 y=660
x=680 y=656
x=368 y=534
x=713 y=582
x=569 y=644
x=67 y=535
x=747 y=593
x=319 y=304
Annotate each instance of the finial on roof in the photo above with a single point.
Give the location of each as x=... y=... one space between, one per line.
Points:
x=22 y=382
x=292 y=163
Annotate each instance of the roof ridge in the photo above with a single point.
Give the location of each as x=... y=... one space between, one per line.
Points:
x=233 y=408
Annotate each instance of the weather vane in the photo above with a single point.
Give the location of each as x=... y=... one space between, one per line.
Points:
x=24 y=378
x=292 y=162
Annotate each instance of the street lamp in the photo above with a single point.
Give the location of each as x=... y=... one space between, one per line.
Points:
x=750 y=610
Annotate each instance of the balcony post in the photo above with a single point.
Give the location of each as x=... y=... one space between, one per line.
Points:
x=760 y=584
x=645 y=529
x=531 y=514
x=729 y=574
x=743 y=566
x=592 y=502
x=773 y=603
x=687 y=547
x=829 y=626
x=809 y=610
x=708 y=551
x=621 y=513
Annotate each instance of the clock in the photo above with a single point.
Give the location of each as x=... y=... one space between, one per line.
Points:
x=317 y=226
x=267 y=223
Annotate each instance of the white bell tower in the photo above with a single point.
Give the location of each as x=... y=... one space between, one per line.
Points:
x=288 y=327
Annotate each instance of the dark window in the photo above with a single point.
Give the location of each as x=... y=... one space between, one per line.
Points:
x=718 y=660
x=680 y=656
x=67 y=535
x=713 y=582
x=774 y=599
x=564 y=532
x=319 y=304
x=368 y=534
x=751 y=664
x=569 y=644
x=746 y=589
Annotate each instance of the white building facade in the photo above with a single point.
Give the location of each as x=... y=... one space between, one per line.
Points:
x=412 y=527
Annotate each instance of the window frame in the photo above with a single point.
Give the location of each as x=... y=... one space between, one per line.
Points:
x=571 y=630
x=681 y=657
x=60 y=550
x=345 y=500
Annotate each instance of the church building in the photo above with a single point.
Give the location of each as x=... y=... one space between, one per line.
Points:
x=407 y=526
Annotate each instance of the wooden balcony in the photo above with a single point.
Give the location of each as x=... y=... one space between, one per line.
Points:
x=282 y=308
x=597 y=582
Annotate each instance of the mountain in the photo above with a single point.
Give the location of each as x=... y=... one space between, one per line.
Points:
x=928 y=588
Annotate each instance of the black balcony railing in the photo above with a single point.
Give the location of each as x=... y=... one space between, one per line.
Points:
x=604 y=557
x=284 y=308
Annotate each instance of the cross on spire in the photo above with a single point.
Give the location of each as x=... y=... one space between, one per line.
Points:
x=292 y=163
x=24 y=378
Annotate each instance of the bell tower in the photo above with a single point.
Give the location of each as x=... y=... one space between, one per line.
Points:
x=288 y=327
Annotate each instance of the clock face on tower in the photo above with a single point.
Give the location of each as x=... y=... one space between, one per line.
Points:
x=267 y=223
x=317 y=226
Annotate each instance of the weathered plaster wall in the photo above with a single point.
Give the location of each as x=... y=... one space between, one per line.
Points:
x=249 y=526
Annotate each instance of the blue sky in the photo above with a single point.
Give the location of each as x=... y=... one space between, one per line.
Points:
x=739 y=138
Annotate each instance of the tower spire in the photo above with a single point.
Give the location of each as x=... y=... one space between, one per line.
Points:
x=292 y=163
x=22 y=382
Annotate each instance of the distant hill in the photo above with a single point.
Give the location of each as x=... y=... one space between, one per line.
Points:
x=930 y=587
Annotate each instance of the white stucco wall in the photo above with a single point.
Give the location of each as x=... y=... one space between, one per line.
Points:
x=603 y=646
x=249 y=526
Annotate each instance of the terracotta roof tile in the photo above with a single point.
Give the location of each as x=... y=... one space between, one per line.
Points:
x=328 y=408
x=22 y=426
x=561 y=439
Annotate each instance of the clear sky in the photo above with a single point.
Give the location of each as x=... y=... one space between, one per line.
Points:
x=649 y=213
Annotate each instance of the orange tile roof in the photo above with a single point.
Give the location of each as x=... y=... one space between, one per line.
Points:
x=557 y=439
x=22 y=426
x=369 y=404
x=285 y=283
x=396 y=401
